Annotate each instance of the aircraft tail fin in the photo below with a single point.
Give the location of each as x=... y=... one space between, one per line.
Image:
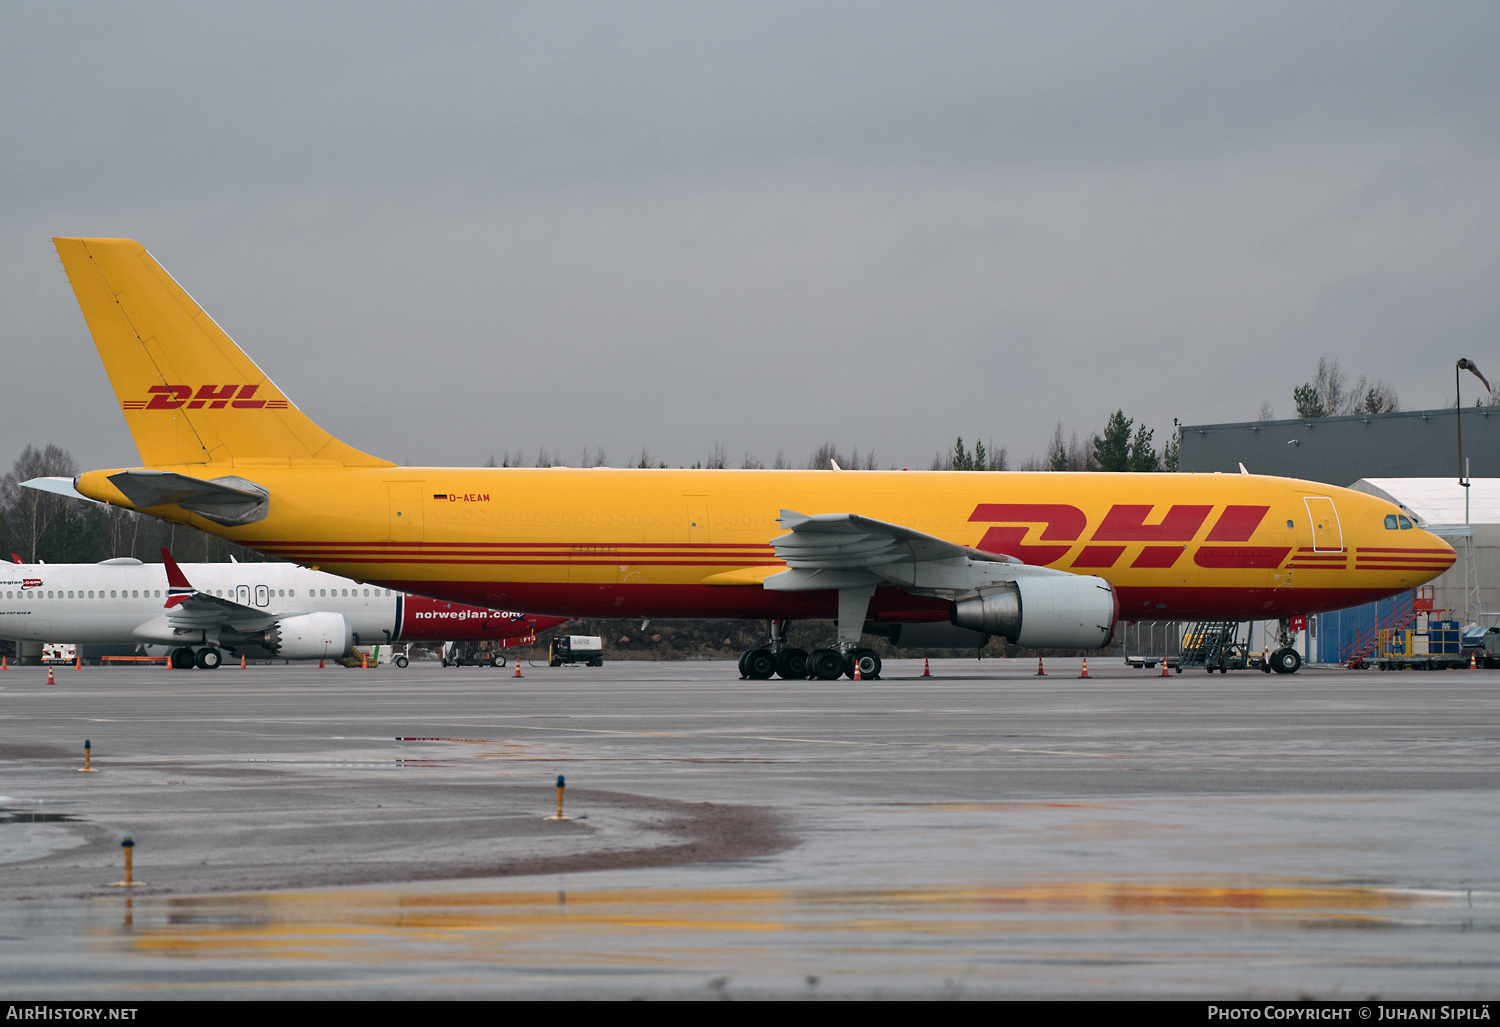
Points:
x=189 y=394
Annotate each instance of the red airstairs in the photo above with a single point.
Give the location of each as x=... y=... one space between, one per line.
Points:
x=1405 y=611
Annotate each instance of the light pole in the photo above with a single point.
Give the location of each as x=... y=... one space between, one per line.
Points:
x=1471 y=571
x=1464 y=364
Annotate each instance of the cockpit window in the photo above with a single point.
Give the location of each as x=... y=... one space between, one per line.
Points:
x=1405 y=523
x=1390 y=522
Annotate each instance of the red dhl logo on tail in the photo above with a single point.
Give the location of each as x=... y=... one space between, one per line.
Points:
x=214 y=397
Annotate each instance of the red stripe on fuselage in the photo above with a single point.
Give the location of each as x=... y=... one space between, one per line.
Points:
x=889 y=603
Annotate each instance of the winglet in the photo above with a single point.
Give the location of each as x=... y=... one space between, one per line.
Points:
x=175 y=577
x=179 y=589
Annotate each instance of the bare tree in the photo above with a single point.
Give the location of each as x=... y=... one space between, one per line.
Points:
x=780 y=463
x=33 y=510
x=824 y=458
x=1267 y=413
x=751 y=463
x=718 y=459
x=1330 y=395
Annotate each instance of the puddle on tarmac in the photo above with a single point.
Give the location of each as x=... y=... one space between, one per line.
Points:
x=612 y=927
x=12 y=816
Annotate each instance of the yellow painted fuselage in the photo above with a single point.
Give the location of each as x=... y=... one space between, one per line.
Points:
x=692 y=543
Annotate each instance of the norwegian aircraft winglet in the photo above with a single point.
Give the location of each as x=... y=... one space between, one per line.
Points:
x=1043 y=559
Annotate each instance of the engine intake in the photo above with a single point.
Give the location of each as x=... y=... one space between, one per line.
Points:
x=310 y=636
x=1072 y=611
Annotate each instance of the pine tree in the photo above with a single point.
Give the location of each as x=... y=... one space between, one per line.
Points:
x=1112 y=451
x=1143 y=458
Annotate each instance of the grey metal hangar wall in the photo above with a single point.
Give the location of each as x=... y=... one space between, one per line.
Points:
x=1342 y=450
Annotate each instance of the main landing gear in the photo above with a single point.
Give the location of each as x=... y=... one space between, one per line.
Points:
x=207 y=658
x=781 y=660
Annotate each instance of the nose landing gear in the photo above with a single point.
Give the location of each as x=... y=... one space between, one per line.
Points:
x=1286 y=659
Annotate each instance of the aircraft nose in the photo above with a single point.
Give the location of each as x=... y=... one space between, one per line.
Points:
x=1443 y=553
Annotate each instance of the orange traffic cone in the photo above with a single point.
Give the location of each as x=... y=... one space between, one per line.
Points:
x=856 y=674
x=50 y=679
x=320 y=664
x=77 y=660
x=3 y=664
x=364 y=661
x=518 y=668
x=1085 y=668
x=926 y=667
x=1039 y=671
x=1473 y=659
x=1164 y=666
x=242 y=661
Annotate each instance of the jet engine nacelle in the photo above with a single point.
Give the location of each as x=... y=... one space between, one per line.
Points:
x=310 y=636
x=1066 y=611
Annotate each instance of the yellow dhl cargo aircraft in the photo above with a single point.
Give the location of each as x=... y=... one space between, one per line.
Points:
x=1043 y=559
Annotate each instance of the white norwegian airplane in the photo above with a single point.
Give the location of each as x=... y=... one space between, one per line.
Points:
x=276 y=609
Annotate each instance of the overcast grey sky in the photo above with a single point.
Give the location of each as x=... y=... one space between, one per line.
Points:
x=452 y=230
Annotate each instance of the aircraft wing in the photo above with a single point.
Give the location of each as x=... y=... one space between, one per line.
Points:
x=845 y=550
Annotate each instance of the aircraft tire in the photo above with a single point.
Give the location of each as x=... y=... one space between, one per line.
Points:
x=792 y=664
x=400 y=662
x=825 y=665
x=208 y=658
x=1286 y=661
x=743 y=657
x=760 y=664
x=183 y=659
x=869 y=664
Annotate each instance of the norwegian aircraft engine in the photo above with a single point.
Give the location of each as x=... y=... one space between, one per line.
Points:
x=1062 y=612
x=310 y=636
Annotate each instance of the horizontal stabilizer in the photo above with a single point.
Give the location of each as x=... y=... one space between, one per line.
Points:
x=229 y=500
x=58 y=486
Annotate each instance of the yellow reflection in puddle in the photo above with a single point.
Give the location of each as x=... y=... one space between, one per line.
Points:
x=613 y=927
